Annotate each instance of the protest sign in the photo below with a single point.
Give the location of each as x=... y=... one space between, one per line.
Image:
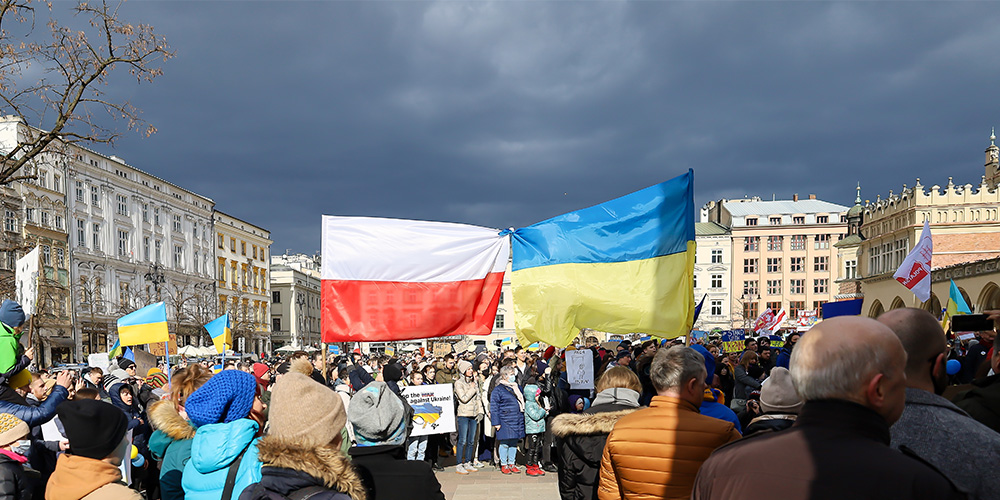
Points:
x=335 y=349
x=26 y=281
x=158 y=349
x=441 y=349
x=143 y=362
x=463 y=345
x=580 y=369
x=99 y=360
x=433 y=408
x=733 y=340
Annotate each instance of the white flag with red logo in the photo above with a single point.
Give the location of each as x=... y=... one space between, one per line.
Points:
x=915 y=273
x=764 y=321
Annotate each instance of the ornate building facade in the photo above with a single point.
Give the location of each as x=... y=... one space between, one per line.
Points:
x=242 y=253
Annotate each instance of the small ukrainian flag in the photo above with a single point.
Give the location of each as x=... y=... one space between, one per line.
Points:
x=507 y=342
x=221 y=332
x=145 y=326
x=115 y=351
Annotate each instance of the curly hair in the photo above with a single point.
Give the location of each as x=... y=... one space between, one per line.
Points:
x=187 y=380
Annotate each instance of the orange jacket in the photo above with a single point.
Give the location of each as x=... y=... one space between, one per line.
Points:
x=656 y=452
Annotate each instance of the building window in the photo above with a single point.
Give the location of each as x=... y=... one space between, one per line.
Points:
x=774 y=221
x=10 y=221
x=60 y=257
x=145 y=212
x=818 y=305
x=694 y=280
x=797 y=287
x=796 y=264
x=177 y=222
x=716 y=307
x=145 y=248
x=123 y=248
x=255 y=251
x=232 y=244
x=95 y=197
x=498 y=323
x=774 y=243
x=774 y=306
x=750 y=265
x=820 y=263
x=158 y=250
x=97 y=236
x=81 y=233
x=222 y=271
x=751 y=244
x=156 y=216
x=59 y=222
x=46 y=255
x=774 y=264
x=751 y=221
x=794 y=307
x=196 y=257
x=275 y=324
x=178 y=256
x=798 y=242
x=716 y=281
x=44 y=218
x=222 y=242
x=750 y=288
x=122 y=204
x=56 y=182
x=822 y=219
x=276 y=297
x=821 y=285
x=798 y=220
x=750 y=311
x=851 y=269
x=822 y=241
x=29 y=214
x=774 y=287
x=79 y=192
x=716 y=256
x=243 y=248
x=194 y=230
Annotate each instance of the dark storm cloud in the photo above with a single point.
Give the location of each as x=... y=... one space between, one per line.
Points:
x=504 y=114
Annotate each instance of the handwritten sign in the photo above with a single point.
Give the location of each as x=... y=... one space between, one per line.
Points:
x=433 y=408
x=580 y=369
x=733 y=340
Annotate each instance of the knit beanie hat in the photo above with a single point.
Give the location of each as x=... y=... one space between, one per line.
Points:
x=11 y=429
x=462 y=366
x=153 y=370
x=226 y=397
x=21 y=379
x=709 y=361
x=11 y=314
x=93 y=428
x=304 y=412
x=125 y=363
x=392 y=373
x=377 y=415
x=259 y=370
x=778 y=394
x=156 y=380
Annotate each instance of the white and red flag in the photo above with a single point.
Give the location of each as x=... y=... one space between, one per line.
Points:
x=395 y=279
x=915 y=273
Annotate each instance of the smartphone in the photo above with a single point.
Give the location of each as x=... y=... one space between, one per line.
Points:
x=971 y=323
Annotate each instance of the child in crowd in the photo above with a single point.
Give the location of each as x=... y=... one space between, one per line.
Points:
x=534 y=428
x=14 y=484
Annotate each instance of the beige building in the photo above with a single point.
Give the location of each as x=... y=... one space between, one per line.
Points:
x=713 y=275
x=295 y=301
x=965 y=225
x=783 y=253
x=242 y=253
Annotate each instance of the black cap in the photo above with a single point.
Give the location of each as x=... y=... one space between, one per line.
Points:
x=93 y=428
x=124 y=363
x=392 y=372
x=622 y=354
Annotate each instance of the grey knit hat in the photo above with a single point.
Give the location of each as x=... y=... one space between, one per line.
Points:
x=463 y=366
x=377 y=415
x=778 y=394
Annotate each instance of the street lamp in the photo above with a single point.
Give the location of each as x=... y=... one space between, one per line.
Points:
x=746 y=313
x=155 y=276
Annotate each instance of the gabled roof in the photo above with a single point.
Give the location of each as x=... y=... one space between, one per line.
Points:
x=709 y=229
x=783 y=207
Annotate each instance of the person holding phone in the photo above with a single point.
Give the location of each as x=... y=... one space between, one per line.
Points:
x=982 y=402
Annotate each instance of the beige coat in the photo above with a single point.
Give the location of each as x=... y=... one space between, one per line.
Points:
x=468 y=397
x=80 y=478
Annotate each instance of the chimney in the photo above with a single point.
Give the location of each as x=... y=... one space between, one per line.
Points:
x=812 y=197
x=795 y=197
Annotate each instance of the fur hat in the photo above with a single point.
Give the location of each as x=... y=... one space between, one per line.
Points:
x=377 y=415
x=303 y=411
x=11 y=429
x=11 y=314
x=778 y=394
x=226 y=397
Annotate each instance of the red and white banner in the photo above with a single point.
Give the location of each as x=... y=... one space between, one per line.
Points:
x=768 y=321
x=915 y=273
x=395 y=279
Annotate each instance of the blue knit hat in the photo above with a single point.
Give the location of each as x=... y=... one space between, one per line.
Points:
x=11 y=314
x=709 y=361
x=226 y=397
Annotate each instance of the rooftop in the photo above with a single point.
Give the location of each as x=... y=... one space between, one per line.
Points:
x=783 y=207
x=709 y=229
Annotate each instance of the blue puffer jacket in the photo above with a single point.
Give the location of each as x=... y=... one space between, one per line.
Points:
x=505 y=411
x=213 y=449
x=37 y=415
x=534 y=415
x=784 y=357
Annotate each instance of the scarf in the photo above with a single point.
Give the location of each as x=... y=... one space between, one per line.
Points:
x=517 y=392
x=617 y=395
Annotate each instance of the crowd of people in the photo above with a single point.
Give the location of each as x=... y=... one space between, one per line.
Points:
x=852 y=408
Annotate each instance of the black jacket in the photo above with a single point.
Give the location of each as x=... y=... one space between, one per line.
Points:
x=14 y=483
x=387 y=475
x=772 y=422
x=982 y=402
x=277 y=483
x=580 y=439
x=292 y=465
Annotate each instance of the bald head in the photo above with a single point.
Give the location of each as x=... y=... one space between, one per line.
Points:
x=922 y=339
x=851 y=358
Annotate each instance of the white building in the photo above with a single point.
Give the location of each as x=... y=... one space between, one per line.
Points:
x=242 y=256
x=713 y=275
x=295 y=301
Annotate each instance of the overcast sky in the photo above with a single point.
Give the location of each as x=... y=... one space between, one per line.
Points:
x=505 y=114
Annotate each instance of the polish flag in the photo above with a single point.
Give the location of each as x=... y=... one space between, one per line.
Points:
x=915 y=272
x=394 y=279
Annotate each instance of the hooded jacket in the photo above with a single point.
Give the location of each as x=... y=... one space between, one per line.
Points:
x=136 y=421
x=388 y=475
x=534 y=415
x=467 y=396
x=10 y=349
x=77 y=478
x=506 y=412
x=784 y=356
x=13 y=482
x=289 y=466
x=982 y=402
x=714 y=406
x=580 y=438
x=170 y=444
x=213 y=449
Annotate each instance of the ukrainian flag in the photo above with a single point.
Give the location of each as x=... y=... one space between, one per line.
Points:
x=956 y=306
x=221 y=332
x=623 y=266
x=145 y=326
x=115 y=350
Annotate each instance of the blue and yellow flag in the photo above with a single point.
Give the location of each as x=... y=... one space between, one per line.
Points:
x=115 y=350
x=145 y=326
x=623 y=266
x=221 y=332
x=956 y=305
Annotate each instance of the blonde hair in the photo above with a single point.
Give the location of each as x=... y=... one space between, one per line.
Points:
x=619 y=377
x=187 y=380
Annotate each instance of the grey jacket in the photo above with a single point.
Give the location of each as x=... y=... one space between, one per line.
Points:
x=948 y=438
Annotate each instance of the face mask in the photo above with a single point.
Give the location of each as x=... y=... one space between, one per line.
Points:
x=511 y=378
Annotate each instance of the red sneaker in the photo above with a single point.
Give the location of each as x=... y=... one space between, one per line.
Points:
x=514 y=469
x=533 y=470
x=504 y=469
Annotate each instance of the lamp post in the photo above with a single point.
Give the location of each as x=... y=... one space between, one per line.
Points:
x=155 y=276
x=746 y=313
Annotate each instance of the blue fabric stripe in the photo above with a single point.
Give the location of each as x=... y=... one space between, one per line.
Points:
x=153 y=313
x=218 y=326
x=652 y=222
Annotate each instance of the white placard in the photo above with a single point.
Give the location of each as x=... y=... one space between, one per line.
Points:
x=433 y=408
x=99 y=360
x=26 y=278
x=580 y=369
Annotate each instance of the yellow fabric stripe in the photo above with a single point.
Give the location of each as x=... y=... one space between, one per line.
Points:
x=150 y=333
x=653 y=296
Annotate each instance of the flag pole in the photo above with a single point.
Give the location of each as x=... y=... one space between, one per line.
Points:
x=166 y=350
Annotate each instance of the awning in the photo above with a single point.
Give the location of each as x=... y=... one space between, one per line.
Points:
x=60 y=341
